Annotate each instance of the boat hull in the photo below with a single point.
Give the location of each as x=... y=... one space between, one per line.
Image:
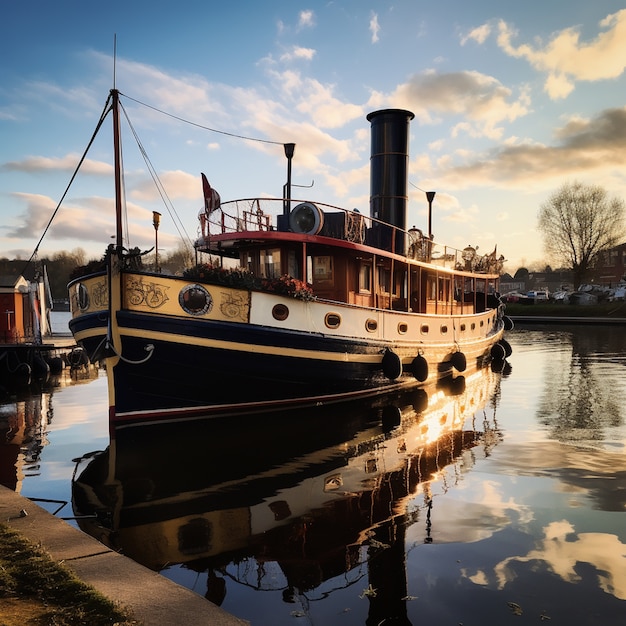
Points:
x=238 y=355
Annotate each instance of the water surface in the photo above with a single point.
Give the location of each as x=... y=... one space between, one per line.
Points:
x=497 y=499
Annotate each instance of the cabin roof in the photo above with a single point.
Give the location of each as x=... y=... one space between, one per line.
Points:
x=12 y=282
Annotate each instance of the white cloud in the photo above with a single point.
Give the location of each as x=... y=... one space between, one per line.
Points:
x=306 y=19
x=481 y=101
x=566 y=59
x=374 y=27
x=86 y=220
x=67 y=163
x=176 y=183
x=478 y=34
x=298 y=52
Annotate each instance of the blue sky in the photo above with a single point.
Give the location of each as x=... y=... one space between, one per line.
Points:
x=511 y=101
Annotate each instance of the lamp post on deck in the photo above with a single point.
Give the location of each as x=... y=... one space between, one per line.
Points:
x=430 y=196
x=156 y=220
x=289 y=151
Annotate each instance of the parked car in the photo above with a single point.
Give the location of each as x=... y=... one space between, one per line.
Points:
x=538 y=296
x=515 y=296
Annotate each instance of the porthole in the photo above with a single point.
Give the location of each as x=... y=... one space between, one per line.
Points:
x=403 y=328
x=462 y=328
x=444 y=329
x=82 y=296
x=371 y=325
x=280 y=312
x=424 y=329
x=195 y=299
x=332 y=320
x=482 y=323
x=473 y=326
x=332 y=483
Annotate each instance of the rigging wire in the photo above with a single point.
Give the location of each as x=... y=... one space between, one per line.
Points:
x=105 y=111
x=166 y=200
x=416 y=187
x=159 y=185
x=213 y=130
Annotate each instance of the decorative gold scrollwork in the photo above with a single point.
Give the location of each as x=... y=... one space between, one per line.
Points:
x=234 y=306
x=150 y=294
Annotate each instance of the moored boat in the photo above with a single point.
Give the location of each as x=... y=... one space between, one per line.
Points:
x=291 y=302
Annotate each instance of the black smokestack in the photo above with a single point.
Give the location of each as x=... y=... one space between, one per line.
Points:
x=389 y=165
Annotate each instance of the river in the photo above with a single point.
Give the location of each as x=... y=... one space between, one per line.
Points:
x=499 y=498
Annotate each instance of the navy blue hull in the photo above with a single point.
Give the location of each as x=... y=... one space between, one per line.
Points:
x=194 y=373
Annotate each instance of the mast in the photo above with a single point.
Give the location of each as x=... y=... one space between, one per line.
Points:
x=117 y=146
x=115 y=265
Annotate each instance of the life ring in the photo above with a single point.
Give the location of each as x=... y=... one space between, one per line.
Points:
x=459 y=362
x=419 y=368
x=392 y=365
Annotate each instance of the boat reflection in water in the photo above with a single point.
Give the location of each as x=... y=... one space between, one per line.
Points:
x=286 y=503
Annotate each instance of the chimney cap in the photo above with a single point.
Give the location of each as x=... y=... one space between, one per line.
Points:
x=373 y=114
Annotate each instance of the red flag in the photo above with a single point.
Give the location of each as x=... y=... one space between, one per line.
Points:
x=211 y=197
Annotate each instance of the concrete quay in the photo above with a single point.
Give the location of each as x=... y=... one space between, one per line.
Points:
x=153 y=599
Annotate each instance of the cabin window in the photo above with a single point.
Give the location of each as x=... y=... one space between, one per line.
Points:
x=365 y=278
x=323 y=269
x=399 y=285
x=431 y=288
x=403 y=328
x=293 y=267
x=444 y=329
x=424 y=329
x=473 y=326
x=462 y=328
x=444 y=289
x=384 y=280
x=269 y=261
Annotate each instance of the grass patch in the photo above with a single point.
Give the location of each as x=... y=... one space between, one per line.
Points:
x=33 y=585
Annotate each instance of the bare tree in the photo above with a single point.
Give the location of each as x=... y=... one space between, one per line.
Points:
x=577 y=223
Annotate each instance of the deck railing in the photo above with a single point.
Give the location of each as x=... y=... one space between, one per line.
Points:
x=263 y=214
